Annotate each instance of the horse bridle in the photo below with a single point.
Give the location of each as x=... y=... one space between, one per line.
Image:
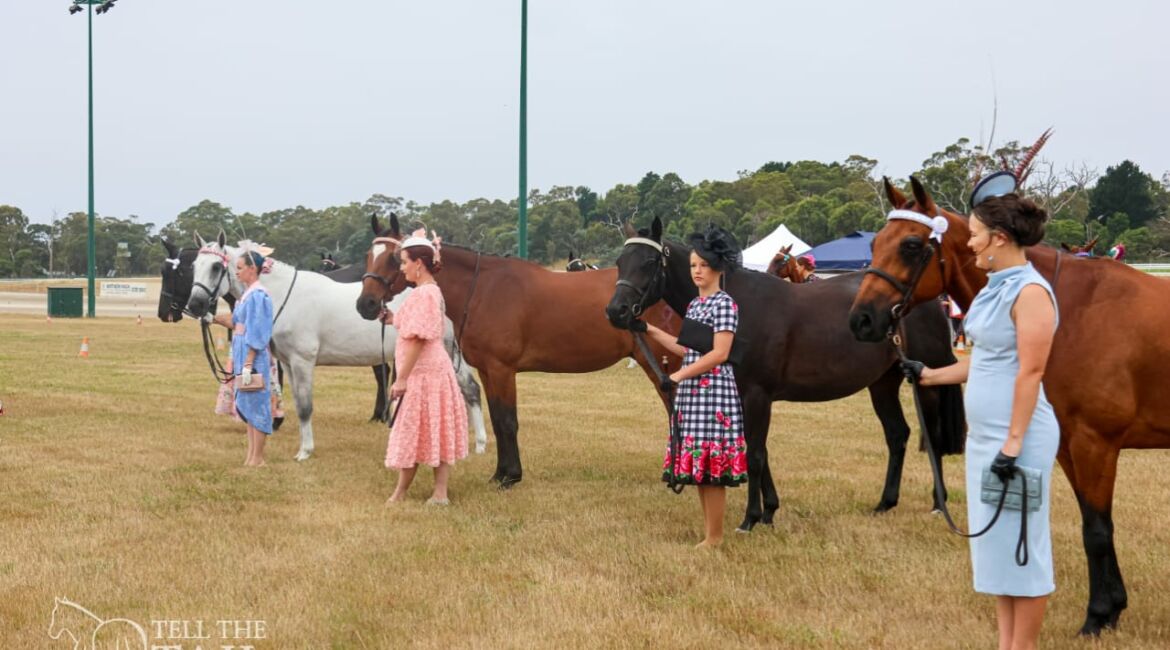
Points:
x=387 y=282
x=938 y=226
x=212 y=295
x=657 y=281
x=175 y=279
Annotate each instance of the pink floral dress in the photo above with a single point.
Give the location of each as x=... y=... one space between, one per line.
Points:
x=431 y=426
x=708 y=410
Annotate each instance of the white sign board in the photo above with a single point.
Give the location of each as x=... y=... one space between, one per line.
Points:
x=133 y=289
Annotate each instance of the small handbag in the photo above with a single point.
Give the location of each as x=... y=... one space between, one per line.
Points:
x=701 y=338
x=256 y=386
x=1024 y=488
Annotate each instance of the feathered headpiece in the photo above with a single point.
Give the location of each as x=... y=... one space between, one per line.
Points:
x=419 y=238
x=718 y=247
x=1008 y=180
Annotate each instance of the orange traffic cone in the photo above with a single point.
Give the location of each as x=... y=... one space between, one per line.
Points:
x=84 y=353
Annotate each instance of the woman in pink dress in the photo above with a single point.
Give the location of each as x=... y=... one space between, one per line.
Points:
x=431 y=423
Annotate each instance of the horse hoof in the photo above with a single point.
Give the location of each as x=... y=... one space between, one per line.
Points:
x=479 y=449
x=276 y=422
x=746 y=526
x=883 y=507
x=303 y=455
x=508 y=482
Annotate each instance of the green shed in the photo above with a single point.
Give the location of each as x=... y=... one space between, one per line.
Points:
x=66 y=302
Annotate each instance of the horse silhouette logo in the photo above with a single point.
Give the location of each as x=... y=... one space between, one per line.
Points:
x=90 y=632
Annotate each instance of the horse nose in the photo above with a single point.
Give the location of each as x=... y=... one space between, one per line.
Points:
x=861 y=322
x=618 y=313
x=367 y=307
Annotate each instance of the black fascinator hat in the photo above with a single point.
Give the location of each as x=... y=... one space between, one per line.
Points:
x=718 y=247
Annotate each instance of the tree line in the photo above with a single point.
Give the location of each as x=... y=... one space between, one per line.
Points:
x=817 y=201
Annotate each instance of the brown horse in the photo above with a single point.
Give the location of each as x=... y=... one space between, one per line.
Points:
x=1087 y=249
x=1108 y=390
x=786 y=266
x=513 y=316
x=800 y=349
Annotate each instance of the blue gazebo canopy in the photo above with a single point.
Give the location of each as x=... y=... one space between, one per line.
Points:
x=851 y=252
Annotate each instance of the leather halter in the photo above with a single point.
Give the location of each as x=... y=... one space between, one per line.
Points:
x=657 y=281
x=213 y=295
x=919 y=269
x=387 y=282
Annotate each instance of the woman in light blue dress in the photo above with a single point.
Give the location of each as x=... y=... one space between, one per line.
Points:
x=1010 y=325
x=252 y=323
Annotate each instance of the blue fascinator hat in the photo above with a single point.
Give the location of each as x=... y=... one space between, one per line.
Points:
x=997 y=184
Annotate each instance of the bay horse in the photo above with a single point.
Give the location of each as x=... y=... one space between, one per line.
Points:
x=800 y=350
x=514 y=316
x=178 y=278
x=786 y=266
x=314 y=326
x=1108 y=395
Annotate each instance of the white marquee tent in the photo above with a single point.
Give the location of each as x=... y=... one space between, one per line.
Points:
x=758 y=255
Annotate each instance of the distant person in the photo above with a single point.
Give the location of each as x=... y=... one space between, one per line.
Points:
x=1117 y=252
x=430 y=423
x=252 y=324
x=808 y=263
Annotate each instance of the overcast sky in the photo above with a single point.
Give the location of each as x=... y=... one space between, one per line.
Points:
x=267 y=105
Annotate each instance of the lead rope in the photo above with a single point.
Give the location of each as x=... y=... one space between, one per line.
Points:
x=675 y=435
x=466 y=312
x=940 y=490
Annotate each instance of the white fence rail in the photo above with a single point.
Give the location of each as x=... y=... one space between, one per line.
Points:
x=1153 y=269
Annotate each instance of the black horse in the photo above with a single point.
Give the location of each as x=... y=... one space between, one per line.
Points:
x=576 y=264
x=178 y=278
x=801 y=350
x=327 y=263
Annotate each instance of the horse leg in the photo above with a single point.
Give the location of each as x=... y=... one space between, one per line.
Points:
x=1091 y=466
x=771 y=497
x=381 y=372
x=500 y=385
x=302 y=385
x=883 y=395
x=277 y=421
x=757 y=411
x=470 y=389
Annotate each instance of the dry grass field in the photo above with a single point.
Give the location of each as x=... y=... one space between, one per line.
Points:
x=124 y=493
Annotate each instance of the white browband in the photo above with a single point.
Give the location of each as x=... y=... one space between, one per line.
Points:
x=938 y=225
x=644 y=241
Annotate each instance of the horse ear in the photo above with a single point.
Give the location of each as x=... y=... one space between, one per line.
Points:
x=897 y=199
x=394 y=230
x=922 y=197
x=198 y=240
x=374 y=225
x=222 y=239
x=1065 y=247
x=322 y=255
x=656 y=229
x=571 y=255
x=628 y=230
x=172 y=252
x=787 y=249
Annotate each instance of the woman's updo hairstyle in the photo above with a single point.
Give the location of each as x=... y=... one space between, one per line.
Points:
x=718 y=248
x=426 y=254
x=1019 y=218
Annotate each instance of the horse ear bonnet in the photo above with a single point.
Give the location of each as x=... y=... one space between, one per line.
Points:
x=718 y=247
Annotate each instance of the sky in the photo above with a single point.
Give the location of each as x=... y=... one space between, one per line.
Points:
x=268 y=105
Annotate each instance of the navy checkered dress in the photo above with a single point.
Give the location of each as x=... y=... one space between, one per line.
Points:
x=709 y=413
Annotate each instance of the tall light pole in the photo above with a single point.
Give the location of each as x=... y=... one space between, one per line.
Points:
x=91 y=249
x=522 y=234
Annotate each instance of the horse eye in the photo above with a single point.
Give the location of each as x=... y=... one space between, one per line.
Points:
x=217 y=267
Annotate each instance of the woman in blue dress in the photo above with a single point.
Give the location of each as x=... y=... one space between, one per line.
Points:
x=709 y=414
x=1010 y=326
x=252 y=323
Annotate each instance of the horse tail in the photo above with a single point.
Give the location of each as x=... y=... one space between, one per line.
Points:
x=952 y=420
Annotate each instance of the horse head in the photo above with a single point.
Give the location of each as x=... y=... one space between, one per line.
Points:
x=175 y=286
x=212 y=273
x=912 y=254
x=576 y=264
x=641 y=275
x=783 y=264
x=383 y=278
x=328 y=263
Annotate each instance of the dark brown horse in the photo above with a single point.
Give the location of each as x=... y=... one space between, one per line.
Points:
x=1106 y=377
x=801 y=350
x=787 y=266
x=1086 y=249
x=513 y=316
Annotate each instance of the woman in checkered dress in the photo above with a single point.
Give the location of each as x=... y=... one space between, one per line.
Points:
x=712 y=453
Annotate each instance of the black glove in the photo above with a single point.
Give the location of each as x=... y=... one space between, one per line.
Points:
x=667 y=384
x=913 y=370
x=1004 y=467
x=638 y=325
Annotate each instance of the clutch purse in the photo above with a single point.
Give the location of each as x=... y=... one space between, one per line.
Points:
x=1024 y=489
x=256 y=386
x=701 y=338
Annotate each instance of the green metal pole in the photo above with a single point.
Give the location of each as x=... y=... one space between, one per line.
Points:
x=92 y=247
x=523 y=230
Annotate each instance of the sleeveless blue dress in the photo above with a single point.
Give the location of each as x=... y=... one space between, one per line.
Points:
x=989 y=395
